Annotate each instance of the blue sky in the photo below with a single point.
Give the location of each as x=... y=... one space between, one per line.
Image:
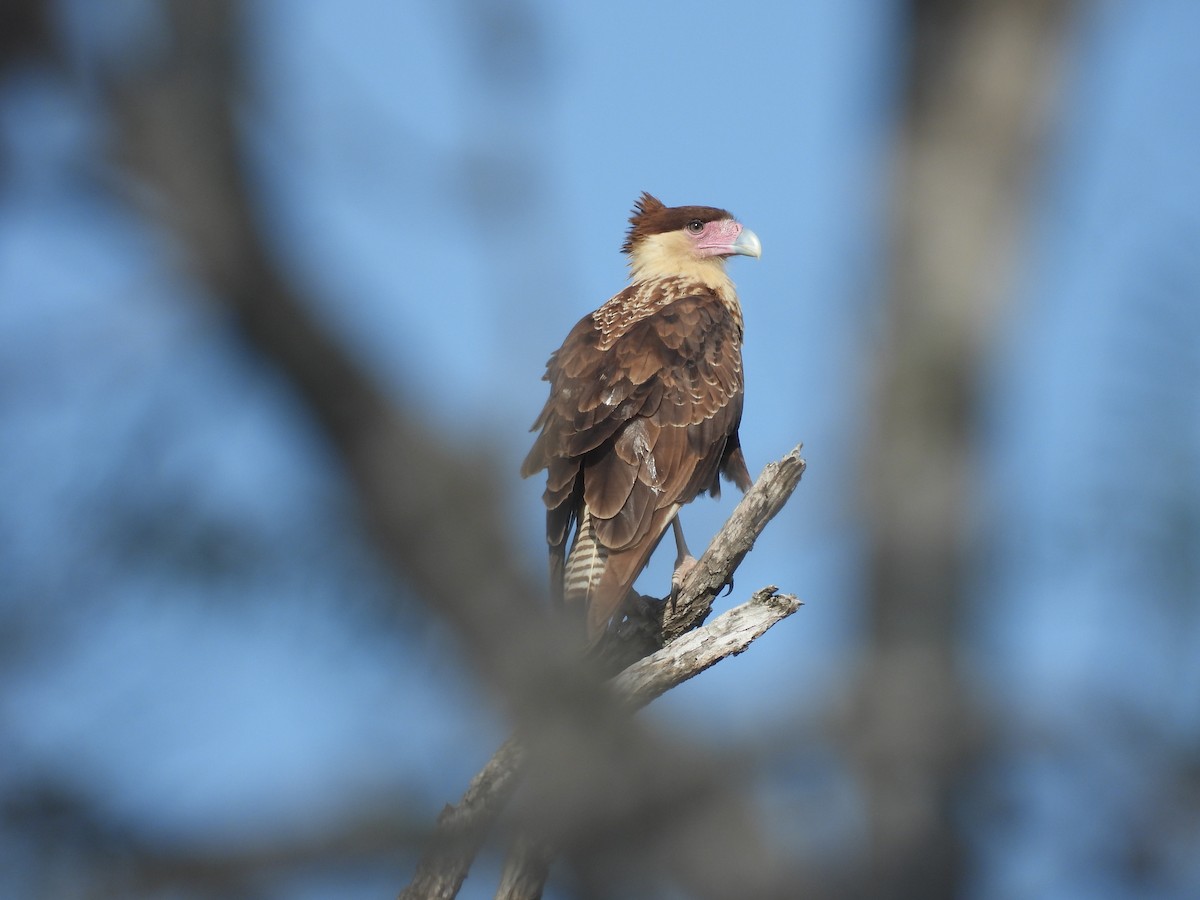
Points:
x=373 y=130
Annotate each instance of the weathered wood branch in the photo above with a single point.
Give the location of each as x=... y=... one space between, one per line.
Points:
x=689 y=655
x=528 y=865
x=461 y=829
x=725 y=553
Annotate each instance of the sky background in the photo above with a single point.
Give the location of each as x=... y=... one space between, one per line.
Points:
x=187 y=598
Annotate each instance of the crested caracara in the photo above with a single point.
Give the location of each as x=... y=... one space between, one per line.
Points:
x=645 y=402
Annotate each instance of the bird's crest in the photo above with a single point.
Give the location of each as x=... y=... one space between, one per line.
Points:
x=647 y=203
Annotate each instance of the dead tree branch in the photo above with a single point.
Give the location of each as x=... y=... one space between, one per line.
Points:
x=461 y=829
x=714 y=570
x=528 y=865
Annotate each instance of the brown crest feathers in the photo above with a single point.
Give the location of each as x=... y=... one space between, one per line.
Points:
x=647 y=203
x=650 y=216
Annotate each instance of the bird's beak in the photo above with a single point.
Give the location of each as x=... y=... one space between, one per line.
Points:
x=747 y=244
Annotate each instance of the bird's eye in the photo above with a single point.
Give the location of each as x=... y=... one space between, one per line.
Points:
x=695 y=226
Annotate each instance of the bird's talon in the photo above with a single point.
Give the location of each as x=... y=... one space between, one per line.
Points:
x=683 y=567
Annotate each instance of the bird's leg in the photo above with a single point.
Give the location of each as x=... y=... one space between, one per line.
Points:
x=684 y=561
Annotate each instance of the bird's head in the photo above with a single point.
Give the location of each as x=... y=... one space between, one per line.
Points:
x=671 y=240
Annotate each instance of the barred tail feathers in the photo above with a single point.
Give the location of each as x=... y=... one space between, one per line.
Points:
x=598 y=578
x=585 y=564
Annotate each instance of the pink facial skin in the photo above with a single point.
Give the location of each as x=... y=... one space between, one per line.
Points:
x=724 y=237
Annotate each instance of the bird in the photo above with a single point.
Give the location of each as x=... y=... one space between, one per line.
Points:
x=644 y=408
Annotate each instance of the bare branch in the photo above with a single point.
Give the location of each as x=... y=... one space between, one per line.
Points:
x=528 y=865
x=461 y=829
x=687 y=656
x=179 y=133
x=715 y=568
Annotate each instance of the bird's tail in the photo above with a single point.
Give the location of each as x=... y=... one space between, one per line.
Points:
x=585 y=565
x=597 y=579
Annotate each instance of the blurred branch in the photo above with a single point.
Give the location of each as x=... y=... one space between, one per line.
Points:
x=26 y=34
x=461 y=829
x=434 y=512
x=525 y=871
x=44 y=825
x=979 y=84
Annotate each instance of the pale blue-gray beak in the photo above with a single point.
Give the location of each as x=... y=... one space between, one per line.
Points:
x=747 y=244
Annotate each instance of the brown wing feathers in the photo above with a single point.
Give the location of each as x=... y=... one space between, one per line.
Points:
x=633 y=431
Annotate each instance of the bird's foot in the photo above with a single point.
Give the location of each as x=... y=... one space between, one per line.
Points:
x=683 y=566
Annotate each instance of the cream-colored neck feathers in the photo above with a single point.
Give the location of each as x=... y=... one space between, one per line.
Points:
x=669 y=255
